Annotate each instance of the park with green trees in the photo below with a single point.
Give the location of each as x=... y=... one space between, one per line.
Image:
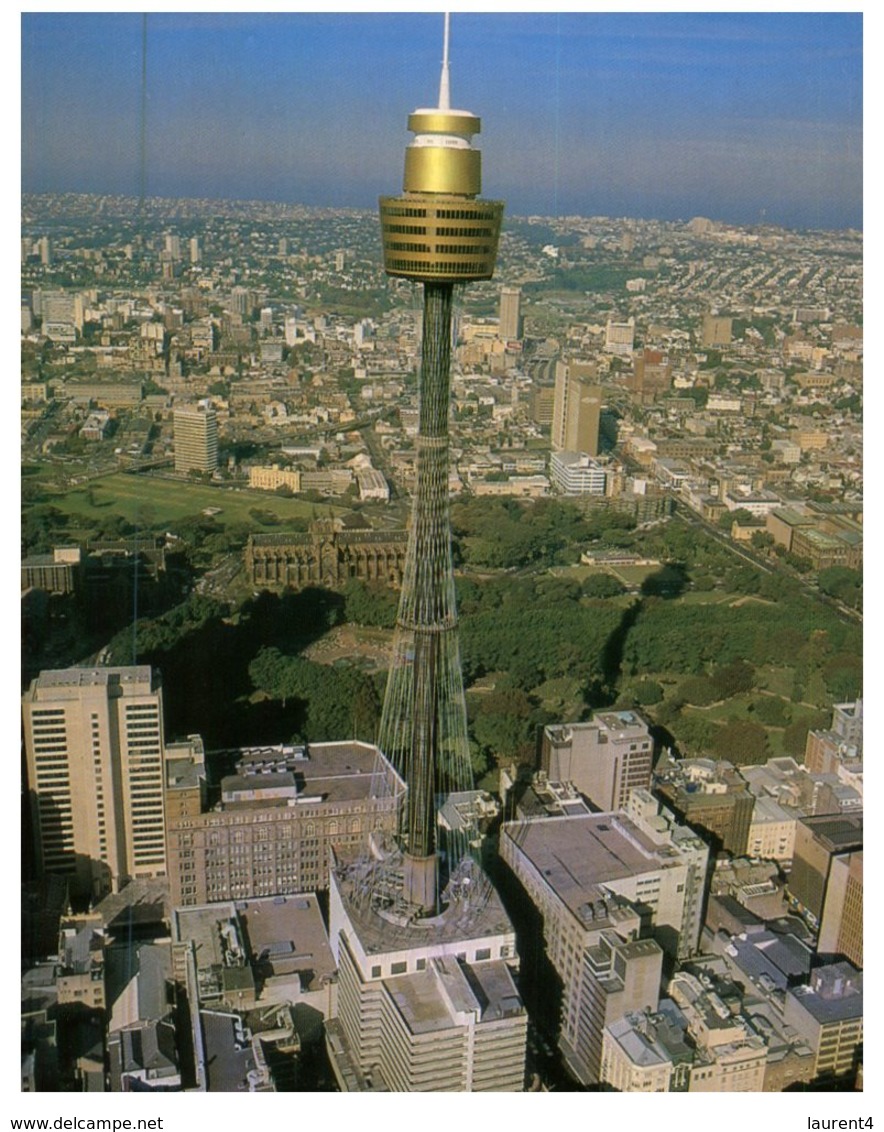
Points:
x=738 y=666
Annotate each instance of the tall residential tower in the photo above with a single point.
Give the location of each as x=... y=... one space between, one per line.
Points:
x=196 y=438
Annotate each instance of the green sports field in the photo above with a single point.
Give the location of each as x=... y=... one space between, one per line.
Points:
x=154 y=501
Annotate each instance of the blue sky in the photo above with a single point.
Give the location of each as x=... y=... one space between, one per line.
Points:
x=622 y=114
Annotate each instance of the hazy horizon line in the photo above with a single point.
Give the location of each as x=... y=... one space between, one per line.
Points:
x=520 y=215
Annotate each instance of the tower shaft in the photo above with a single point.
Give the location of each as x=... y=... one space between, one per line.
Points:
x=423 y=727
x=437 y=233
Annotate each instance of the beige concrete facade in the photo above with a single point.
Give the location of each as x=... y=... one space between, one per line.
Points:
x=605 y=758
x=576 y=412
x=94 y=752
x=427 y=1005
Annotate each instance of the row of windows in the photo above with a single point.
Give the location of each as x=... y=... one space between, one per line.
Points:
x=406 y=229
x=54 y=811
x=400 y=967
x=466 y=213
x=463 y=249
x=398 y=247
x=430 y=268
x=427 y=229
x=464 y=232
x=440 y=249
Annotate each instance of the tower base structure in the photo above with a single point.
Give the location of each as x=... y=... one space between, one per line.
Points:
x=425 y=1004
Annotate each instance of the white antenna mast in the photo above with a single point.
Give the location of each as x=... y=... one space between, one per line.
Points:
x=444 y=91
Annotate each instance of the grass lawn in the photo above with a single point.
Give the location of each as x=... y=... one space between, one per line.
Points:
x=706 y=597
x=151 y=501
x=780 y=681
x=575 y=573
x=631 y=575
x=562 y=697
x=737 y=707
x=815 y=691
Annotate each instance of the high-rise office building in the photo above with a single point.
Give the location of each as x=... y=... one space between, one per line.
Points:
x=510 y=322
x=819 y=842
x=427 y=999
x=94 y=751
x=712 y=798
x=195 y=432
x=606 y=757
x=613 y=892
x=62 y=308
x=576 y=412
x=651 y=374
x=240 y=301
x=841 y=925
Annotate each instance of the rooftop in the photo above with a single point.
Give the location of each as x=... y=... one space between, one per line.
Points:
x=330 y=772
x=579 y=855
x=840 y=832
x=639 y=1044
x=58 y=678
x=429 y=1000
x=369 y=892
x=282 y=935
x=835 y=994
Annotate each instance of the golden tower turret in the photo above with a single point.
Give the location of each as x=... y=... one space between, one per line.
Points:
x=438 y=231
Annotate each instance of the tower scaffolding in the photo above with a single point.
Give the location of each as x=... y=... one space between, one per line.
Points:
x=439 y=234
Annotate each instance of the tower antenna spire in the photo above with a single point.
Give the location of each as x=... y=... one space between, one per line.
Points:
x=444 y=89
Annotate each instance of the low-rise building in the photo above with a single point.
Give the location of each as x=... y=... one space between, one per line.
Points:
x=828 y=1014
x=328 y=555
x=710 y=797
x=80 y=979
x=272 y=477
x=56 y=573
x=575 y=473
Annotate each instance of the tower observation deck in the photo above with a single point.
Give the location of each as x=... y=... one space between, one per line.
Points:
x=437 y=231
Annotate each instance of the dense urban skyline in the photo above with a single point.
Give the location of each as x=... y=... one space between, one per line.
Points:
x=741 y=116
x=556 y=786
